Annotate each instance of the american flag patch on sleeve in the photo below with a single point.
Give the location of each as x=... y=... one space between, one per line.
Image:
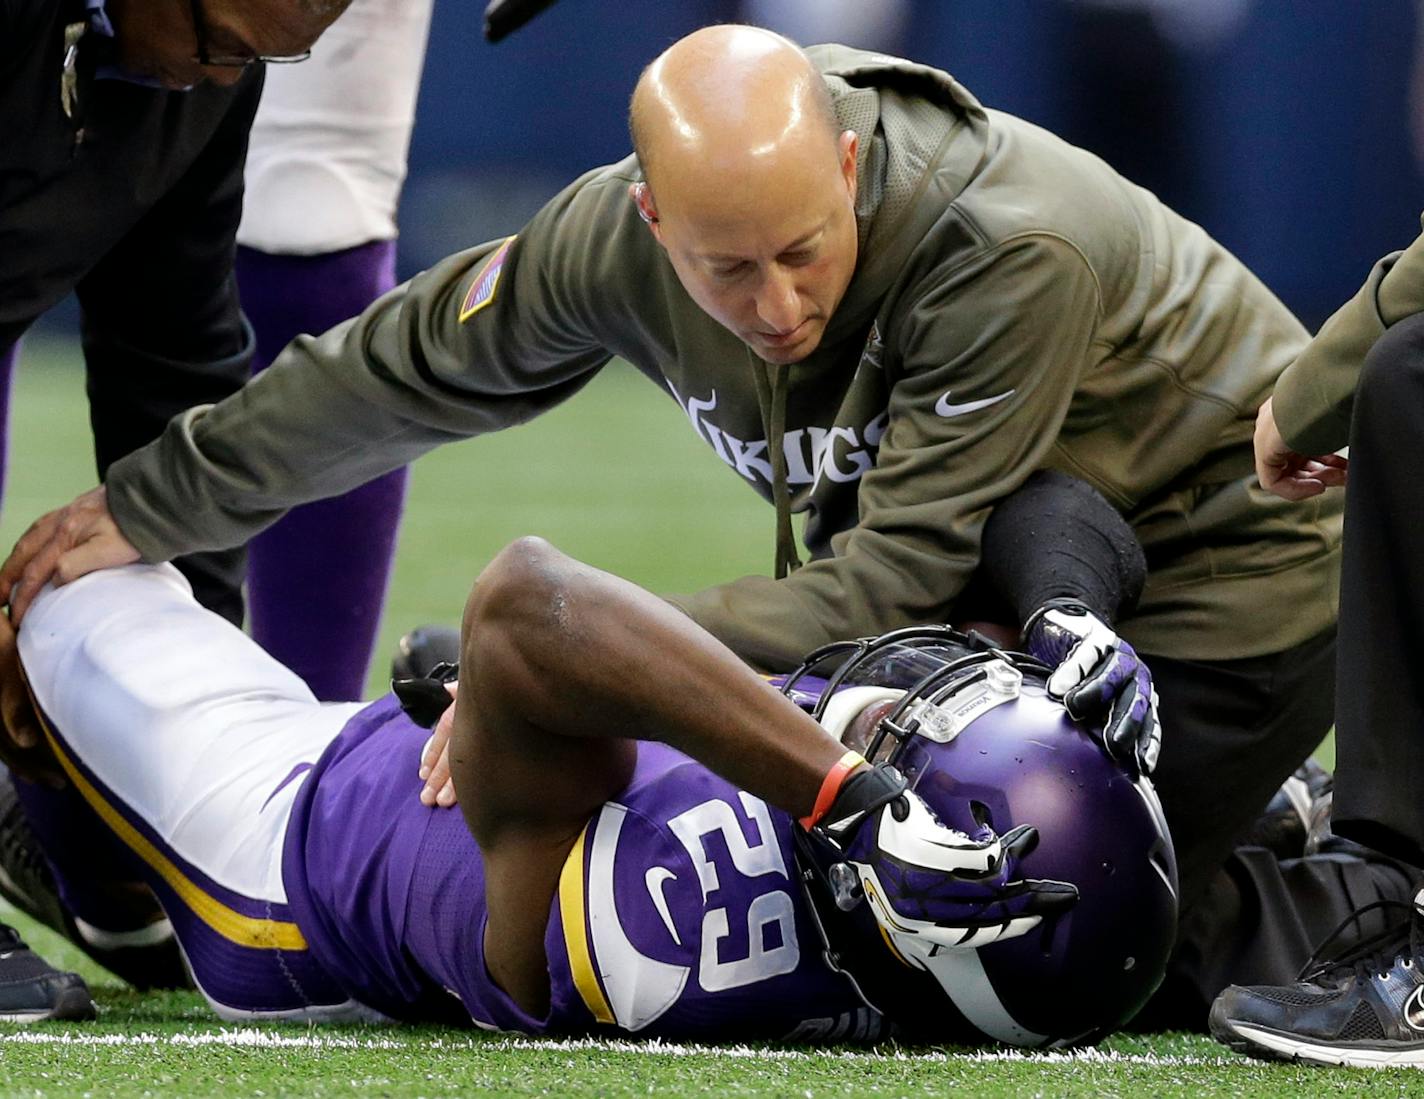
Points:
x=481 y=291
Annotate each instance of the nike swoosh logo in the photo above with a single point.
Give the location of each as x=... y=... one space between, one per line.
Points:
x=1414 y=1010
x=946 y=409
x=656 y=880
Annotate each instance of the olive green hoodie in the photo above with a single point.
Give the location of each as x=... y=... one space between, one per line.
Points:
x=1015 y=304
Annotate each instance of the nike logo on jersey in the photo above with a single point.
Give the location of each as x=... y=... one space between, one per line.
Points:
x=656 y=879
x=947 y=409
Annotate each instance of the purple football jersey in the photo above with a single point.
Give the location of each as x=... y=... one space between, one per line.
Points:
x=678 y=914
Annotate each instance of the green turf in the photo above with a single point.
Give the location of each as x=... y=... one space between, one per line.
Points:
x=446 y=1063
x=168 y=1044
x=618 y=479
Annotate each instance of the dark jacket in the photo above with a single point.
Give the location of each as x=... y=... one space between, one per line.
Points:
x=132 y=200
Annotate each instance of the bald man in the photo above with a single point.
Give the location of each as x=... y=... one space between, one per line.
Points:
x=883 y=306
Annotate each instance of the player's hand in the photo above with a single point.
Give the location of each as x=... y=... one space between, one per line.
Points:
x=1289 y=475
x=64 y=545
x=931 y=883
x=439 y=789
x=22 y=745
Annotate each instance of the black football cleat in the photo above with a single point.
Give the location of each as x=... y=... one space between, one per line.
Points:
x=32 y=990
x=422 y=649
x=1362 y=1007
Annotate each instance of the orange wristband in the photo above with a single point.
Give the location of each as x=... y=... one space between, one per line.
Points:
x=831 y=786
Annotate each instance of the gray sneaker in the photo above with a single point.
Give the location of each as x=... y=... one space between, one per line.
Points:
x=1361 y=1005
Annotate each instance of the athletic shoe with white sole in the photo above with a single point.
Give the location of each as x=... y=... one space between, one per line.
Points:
x=135 y=942
x=1363 y=1006
x=1297 y=818
x=32 y=990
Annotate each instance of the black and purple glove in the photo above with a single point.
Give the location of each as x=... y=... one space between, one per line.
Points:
x=931 y=887
x=1099 y=678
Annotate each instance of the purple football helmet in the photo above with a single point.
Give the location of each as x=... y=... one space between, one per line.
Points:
x=973 y=731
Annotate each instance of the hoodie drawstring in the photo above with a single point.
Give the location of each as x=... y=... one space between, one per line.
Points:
x=772 y=383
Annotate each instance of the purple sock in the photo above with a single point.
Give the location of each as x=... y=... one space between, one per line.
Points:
x=317 y=579
x=9 y=358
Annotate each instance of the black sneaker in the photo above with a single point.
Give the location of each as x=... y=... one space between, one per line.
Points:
x=32 y=990
x=420 y=650
x=1297 y=818
x=1364 y=1006
x=136 y=942
x=25 y=877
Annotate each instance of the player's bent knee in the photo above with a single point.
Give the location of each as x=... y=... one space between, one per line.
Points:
x=519 y=595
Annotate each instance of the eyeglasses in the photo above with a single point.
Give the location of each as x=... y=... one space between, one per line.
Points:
x=232 y=61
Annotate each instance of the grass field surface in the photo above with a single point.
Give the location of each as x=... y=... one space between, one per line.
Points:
x=618 y=479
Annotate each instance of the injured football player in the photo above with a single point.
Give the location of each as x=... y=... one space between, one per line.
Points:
x=652 y=836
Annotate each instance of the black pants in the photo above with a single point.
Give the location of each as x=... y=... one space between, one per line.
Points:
x=1379 y=792
x=1232 y=731
x=1254 y=920
x=132 y=396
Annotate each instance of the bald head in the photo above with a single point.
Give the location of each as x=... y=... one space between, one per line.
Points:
x=750 y=185
x=726 y=96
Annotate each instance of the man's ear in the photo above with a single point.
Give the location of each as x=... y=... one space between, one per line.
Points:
x=643 y=199
x=849 y=145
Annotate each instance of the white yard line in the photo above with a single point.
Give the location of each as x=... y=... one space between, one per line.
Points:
x=252 y=1037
